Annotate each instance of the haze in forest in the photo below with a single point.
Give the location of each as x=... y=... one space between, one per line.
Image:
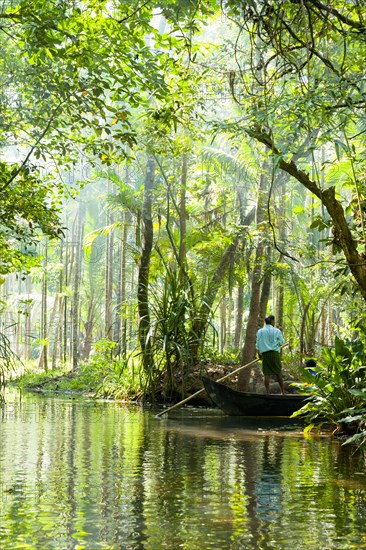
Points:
x=170 y=174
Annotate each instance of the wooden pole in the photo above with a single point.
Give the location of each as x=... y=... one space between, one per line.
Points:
x=203 y=389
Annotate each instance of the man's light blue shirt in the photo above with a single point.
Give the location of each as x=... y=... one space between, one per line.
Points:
x=269 y=338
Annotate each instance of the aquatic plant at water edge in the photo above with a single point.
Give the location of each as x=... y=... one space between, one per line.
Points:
x=338 y=389
x=118 y=377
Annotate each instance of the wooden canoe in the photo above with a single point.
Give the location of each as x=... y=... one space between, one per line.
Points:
x=236 y=403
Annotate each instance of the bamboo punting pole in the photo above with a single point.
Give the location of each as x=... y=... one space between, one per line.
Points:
x=203 y=389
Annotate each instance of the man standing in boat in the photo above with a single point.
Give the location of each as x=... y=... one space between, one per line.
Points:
x=268 y=343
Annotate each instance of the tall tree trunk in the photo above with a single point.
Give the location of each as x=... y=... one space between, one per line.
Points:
x=43 y=357
x=120 y=335
x=108 y=331
x=280 y=304
x=229 y=314
x=222 y=324
x=183 y=215
x=239 y=315
x=302 y=328
x=76 y=287
x=58 y=343
x=144 y=269
x=28 y=317
x=68 y=265
x=18 y=322
x=244 y=220
x=58 y=333
x=117 y=325
x=88 y=328
x=280 y=289
x=248 y=351
x=265 y=292
x=122 y=285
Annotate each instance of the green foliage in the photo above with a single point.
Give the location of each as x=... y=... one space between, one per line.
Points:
x=103 y=376
x=33 y=379
x=227 y=357
x=300 y=95
x=90 y=66
x=27 y=209
x=338 y=389
x=113 y=377
x=8 y=362
x=74 y=77
x=173 y=309
x=123 y=379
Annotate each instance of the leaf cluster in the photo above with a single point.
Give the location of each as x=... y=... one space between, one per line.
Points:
x=73 y=76
x=27 y=209
x=338 y=388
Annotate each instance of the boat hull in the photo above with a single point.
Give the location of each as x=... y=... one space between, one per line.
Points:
x=235 y=403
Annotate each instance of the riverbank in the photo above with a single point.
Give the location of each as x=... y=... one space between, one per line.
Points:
x=103 y=382
x=89 y=381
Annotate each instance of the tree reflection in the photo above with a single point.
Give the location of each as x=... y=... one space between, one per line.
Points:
x=106 y=475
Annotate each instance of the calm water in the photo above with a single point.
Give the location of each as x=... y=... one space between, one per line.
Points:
x=79 y=474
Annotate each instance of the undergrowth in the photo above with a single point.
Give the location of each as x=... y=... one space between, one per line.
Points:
x=104 y=375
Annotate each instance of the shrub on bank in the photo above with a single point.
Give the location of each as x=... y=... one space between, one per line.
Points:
x=339 y=390
x=104 y=375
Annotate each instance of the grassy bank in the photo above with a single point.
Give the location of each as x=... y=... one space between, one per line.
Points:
x=102 y=376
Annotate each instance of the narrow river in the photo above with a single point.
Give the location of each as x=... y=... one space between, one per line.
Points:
x=79 y=474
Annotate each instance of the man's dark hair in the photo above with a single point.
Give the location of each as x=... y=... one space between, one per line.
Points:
x=269 y=318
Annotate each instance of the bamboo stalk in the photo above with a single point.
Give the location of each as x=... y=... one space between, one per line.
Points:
x=203 y=389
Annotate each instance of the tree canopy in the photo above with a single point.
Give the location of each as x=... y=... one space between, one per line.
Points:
x=302 y=92
x=72 y=76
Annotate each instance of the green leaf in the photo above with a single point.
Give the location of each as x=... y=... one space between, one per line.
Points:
x=341 y=348
x=298 y=210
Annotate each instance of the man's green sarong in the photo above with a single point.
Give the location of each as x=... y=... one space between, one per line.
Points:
x=271 y=363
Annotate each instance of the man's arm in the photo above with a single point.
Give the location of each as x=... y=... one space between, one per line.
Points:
x=257 y=344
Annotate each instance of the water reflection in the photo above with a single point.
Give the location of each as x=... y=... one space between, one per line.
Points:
x=79 y=474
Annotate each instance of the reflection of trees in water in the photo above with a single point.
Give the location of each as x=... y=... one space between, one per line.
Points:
x=164 y=488
x=295 y=490
x=268 y=485
x=259 y=468
x=186 y=497
x=123 y=479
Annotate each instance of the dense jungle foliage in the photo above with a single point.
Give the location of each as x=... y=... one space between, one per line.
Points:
x=170 y=173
